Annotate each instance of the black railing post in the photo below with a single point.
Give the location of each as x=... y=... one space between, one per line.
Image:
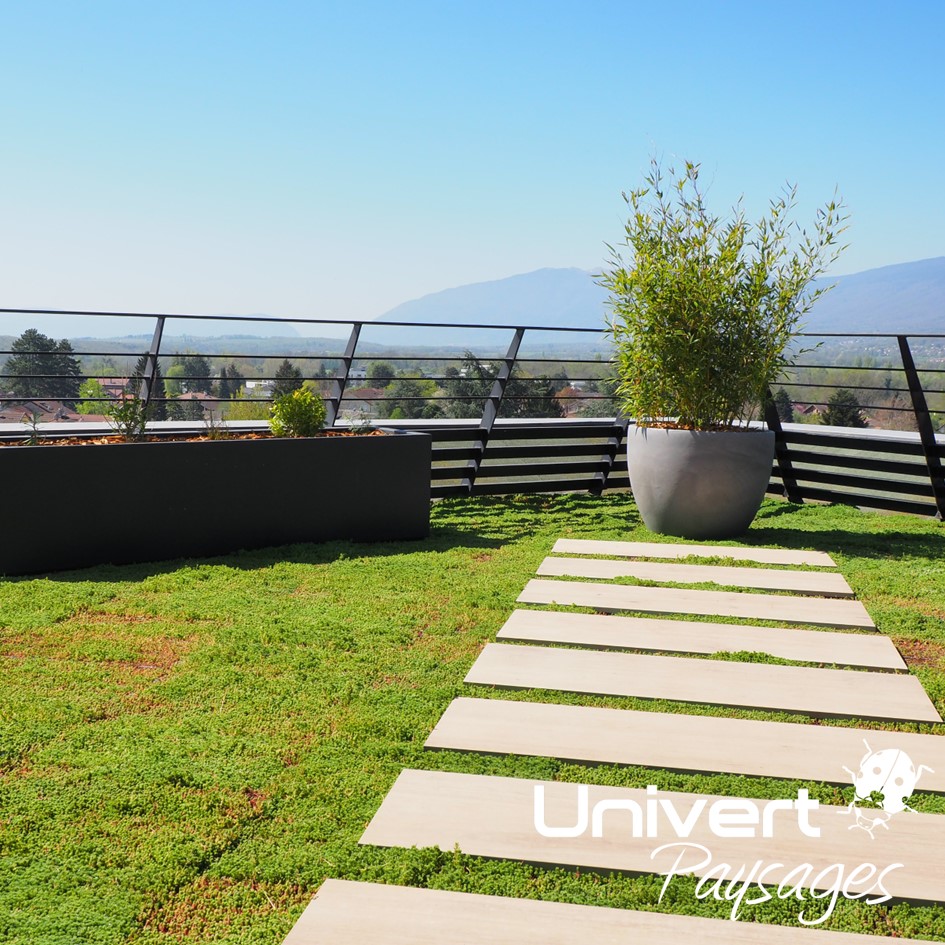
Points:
x=617 y=436
x=924 y=423
x=149 y=374
x=491 y=410
x=333 y=406
x=782 y=452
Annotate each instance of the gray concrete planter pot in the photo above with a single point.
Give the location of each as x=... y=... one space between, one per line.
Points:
x=697 y=484
x=77 y=506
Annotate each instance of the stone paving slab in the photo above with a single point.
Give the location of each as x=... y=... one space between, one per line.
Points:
x=607 y=631
x=496 y=817
x=813 y=611
x=349 y=913
x=819 y=692
x=677 y=742
x=655 y=549
x=820 y=583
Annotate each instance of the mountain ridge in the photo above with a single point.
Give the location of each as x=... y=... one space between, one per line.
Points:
x=901 y=298
x=898 y=298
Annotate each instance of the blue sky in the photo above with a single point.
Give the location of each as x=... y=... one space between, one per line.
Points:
x=335 y=159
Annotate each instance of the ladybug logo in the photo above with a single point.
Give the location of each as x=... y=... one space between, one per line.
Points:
x=881 y=787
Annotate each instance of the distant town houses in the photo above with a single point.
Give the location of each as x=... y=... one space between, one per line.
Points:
x=199 y=396
x=572 y=400
x=362 y=403
x=261 y=389
x=45 y=411
x=113 y=386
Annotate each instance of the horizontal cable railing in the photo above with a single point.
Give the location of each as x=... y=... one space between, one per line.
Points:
x=856 y=418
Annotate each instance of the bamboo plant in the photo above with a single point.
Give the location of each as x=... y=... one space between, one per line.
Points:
x=704 y=310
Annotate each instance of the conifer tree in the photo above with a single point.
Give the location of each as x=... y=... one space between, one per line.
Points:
x=43 y=367
x=288 y=379
x=843 y=410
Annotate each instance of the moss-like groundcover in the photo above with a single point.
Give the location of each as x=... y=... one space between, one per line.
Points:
x=188 y=749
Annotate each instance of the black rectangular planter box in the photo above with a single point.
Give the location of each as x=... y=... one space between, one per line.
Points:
x=77 y=506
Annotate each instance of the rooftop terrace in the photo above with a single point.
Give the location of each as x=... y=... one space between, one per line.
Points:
x=189 y=749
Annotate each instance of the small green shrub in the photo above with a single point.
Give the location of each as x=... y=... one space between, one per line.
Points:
x=128 y=417
x=300 y=413
x=361 y=424
x=32 y=422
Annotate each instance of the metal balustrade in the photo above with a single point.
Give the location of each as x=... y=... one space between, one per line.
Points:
x=491 y=452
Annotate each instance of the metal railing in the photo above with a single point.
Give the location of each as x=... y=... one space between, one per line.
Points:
x=488 y=443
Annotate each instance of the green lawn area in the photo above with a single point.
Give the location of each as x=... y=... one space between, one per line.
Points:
x=188 y=749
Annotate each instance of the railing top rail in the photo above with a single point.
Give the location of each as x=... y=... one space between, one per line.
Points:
x=870 y=334
x=491 y=326
x=304 y=321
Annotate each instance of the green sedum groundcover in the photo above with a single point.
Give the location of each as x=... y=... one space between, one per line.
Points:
x=187 y=749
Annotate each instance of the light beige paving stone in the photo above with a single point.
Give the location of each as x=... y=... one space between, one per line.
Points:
x=608 y=631
x=496 y=817
x=677 y=742
x=822 y=583
x=653 y=549
x=829 y=692
x=349 y=913
x=814 y=611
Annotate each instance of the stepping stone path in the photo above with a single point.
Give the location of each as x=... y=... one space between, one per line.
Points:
x=698 y=743
x=370 y=914
x=814 y=611
x=610 y=632
x=494 y=817
x=653 y=549
x=823 y=584
x=819 y=692
x=577 y=652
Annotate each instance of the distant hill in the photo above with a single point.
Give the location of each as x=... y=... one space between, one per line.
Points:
x=561 y=298
x=908 y=297
x=557 y=297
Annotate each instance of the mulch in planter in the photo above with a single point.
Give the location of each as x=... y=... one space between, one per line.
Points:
x=55 y=440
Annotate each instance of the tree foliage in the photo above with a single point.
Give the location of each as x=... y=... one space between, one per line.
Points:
x=43 y=367
x=242 y=407
x=288 y=379
x=843 y=410
x=173 y=383
x=380 y=374
x=91 y=388
x=184 y=408
x=231 y=380
x=196 y=374
x=784 y=406
x=703 y=310
x=605 y=403
x=408 y=398
x=468 y=387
